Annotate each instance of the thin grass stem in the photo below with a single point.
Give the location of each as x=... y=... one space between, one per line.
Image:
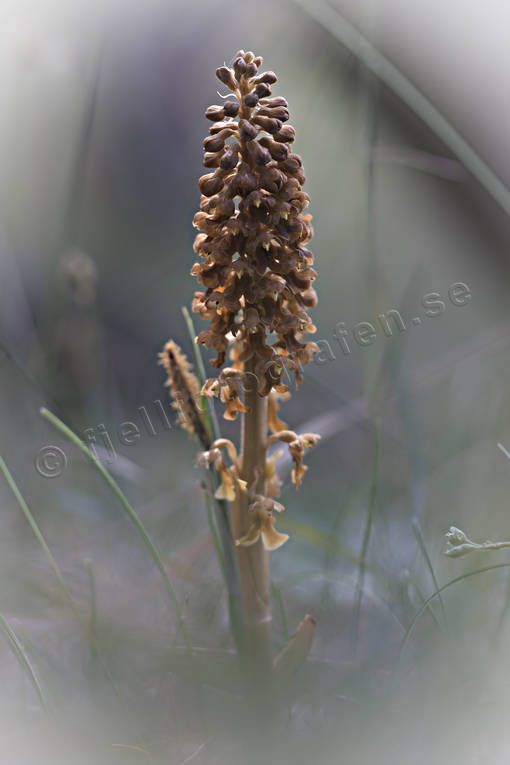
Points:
x=207 y=405
x=421 y=543
x=221 y=528
x=23 y=659
x=435 y=594
x=132 y=515
x=277 y=593
x=412 y=580
x=38 y=535
x=366 y=540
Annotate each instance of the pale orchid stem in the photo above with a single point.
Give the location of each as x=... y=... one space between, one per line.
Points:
x=253 y=561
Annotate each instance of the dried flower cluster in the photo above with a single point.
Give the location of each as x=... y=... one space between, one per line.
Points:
x=256 y=268
x=257 y=273
x=185 y=391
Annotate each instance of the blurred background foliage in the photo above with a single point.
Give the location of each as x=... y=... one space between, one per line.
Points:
x=100 y=152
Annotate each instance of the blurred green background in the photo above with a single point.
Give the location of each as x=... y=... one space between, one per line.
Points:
x=100 y=152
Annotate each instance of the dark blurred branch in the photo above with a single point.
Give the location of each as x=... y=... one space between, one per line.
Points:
x=332 y=20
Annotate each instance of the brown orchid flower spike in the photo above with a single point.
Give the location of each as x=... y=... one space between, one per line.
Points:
x=256 y=272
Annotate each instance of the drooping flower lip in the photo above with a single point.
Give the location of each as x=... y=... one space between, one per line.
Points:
x=230 y=482
x=297 y=445
x=262 y=525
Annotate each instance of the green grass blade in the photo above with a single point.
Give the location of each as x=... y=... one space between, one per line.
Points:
x=207 y=404
x=305 y=576
x=277 y=592
x=132 y=515
x=23 y=659
x=38 y=535
x=314 y=536
x=222 y=539
x=56 y=570
x=225 y=551
x=213 y=528
x=199 y=363
x=504 y=611
x=92 y=620
x=328 y=558
x=435 y=594
x=366 y=540
x=412 y=581
x=421 y=543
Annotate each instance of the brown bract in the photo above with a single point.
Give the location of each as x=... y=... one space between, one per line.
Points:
x=255 y=265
